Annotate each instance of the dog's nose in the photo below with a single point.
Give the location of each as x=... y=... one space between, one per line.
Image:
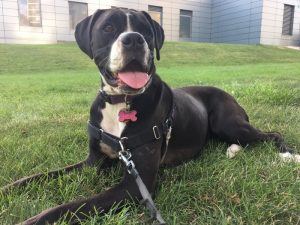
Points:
x=132 y=40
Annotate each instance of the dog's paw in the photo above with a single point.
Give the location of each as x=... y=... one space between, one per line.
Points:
x=288 y=157
x=233 y=150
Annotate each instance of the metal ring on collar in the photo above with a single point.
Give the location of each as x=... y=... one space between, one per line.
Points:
x=121 y=142
x=156 y=132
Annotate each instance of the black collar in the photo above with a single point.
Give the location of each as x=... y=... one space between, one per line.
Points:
x=116 y=99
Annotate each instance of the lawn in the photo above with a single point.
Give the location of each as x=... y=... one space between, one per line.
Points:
x=46 y=92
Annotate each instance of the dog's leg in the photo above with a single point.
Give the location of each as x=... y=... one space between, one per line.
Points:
x=81 y=209
x=242 y=133
x=147 y=163
x=238 y=131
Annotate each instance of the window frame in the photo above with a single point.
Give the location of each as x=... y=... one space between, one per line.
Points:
x=117 y=7
x=291 y=21
x=28 y=24
x=184 y=13
x=79 y=3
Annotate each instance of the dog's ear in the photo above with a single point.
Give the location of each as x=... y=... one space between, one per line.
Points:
x=83 y=32
x=158 y=34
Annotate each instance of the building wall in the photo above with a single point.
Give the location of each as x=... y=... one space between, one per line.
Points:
x=1 y=23
x=14 y=33
x=272 y=18
x=171 y=11
x=229 y=21
x=55 y=22
x=55 y=19
x=62 y=23
x=236 y=21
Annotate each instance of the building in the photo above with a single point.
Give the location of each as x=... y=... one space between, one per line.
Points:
x=274 y=22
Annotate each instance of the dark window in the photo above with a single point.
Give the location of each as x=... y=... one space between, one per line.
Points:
x=30 y=13
x=115 y=7
x=185 y=28
x=156 y=13
x=288 y=19
x=77 y=12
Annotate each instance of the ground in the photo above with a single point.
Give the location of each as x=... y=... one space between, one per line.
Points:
x=46 y=92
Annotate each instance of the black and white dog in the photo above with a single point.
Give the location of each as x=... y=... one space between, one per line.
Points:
x=136 y=111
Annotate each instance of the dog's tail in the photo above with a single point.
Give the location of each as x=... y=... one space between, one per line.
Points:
x=285 y=152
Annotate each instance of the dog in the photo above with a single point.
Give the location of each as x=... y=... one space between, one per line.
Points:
x=135 y=111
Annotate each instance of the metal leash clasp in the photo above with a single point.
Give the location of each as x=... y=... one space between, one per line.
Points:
x=168 y=137
x=124 y=156
x=169 y=131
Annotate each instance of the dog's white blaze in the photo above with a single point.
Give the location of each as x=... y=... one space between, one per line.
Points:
x=129 y=28
x=147 y=52
x=288 y=157
x=110 y=122
x=116 y=60
x=232 y=150
x=116 y=57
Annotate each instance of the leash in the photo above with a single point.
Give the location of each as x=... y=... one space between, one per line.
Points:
x=125 y=157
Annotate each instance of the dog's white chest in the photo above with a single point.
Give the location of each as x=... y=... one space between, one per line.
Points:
x=110 y=122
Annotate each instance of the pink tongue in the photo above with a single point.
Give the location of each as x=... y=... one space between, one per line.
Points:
x=134 y=80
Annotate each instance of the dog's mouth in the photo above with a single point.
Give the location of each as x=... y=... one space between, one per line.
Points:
x=132 y=78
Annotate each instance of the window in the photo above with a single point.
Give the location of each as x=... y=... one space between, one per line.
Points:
x=185 y=28
x=77 y=12
x=288 y=19
x=156 y=13
x=30 y=13
x=115 y=7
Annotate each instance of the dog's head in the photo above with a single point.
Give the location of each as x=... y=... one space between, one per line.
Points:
x=122 y=44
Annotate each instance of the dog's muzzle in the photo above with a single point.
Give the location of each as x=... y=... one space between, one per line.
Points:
x=130 y=63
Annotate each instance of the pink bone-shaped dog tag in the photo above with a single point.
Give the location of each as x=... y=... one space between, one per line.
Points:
x=125 y=116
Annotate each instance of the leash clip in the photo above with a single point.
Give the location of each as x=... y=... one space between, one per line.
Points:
x=168 y=137
x=122 y=143
x=125 y=156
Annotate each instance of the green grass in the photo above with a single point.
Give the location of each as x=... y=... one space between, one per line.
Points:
x=46 y=92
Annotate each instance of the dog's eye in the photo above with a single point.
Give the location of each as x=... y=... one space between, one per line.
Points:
x=109 y=29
